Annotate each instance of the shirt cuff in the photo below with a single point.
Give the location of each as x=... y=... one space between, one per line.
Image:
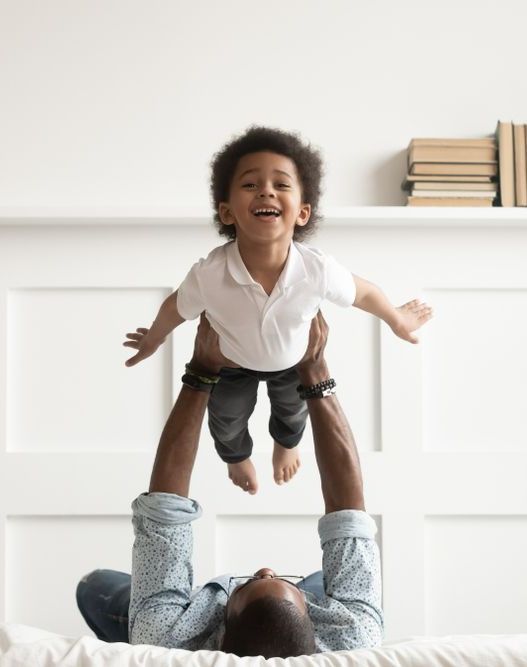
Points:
x=346 y=523
x=167 y=508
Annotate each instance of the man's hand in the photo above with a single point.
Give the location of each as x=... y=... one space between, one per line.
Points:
x=410 y=317
x=312 y=368
x=207 y=357
x=144 y=343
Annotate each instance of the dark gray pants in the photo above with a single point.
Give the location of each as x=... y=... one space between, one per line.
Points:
x=232 y=403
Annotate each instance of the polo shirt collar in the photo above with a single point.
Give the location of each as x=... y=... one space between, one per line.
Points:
x=294 y=269
x=235 y=264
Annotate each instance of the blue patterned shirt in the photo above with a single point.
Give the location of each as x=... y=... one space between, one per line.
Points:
x=165 y=611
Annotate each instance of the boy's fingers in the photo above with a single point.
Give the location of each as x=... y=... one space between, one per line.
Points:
x=142 y=330
x=134 y=336
x=131 y=343
x=136 y=359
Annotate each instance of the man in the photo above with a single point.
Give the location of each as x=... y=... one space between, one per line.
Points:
x=266 y=614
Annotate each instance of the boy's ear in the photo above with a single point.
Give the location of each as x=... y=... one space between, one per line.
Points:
x=225 y=213
x=304 y=215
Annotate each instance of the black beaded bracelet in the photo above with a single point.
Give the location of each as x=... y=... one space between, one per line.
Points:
x=321 y=390
x=195 y=382
x=207 y=379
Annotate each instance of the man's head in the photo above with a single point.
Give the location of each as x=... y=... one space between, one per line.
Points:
x=301 y=164
x=268 y=616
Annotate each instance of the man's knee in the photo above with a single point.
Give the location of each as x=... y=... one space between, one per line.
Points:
x=86 y=586
x=99 y=583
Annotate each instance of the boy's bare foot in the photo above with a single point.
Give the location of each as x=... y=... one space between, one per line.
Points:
x=243 y=474
x=285 y=463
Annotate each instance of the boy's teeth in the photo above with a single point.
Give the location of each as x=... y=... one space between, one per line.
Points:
x=266 y=211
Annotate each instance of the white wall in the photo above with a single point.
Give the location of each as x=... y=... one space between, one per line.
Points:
x=440 y=426
x=122 y=102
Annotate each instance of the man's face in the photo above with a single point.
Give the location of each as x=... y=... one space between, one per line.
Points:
x=265 y=584
x=265 y=199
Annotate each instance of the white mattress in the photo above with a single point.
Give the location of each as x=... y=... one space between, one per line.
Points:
x=24 y=646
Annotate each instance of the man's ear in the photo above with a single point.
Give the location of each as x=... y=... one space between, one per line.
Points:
x=225 y=213
x=303 y=215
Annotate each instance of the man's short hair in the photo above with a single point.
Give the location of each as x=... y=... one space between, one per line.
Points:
x=269 y=626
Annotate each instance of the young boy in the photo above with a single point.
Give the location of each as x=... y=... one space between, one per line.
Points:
x=260 y=292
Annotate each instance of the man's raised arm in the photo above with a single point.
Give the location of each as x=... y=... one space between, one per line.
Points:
x=350 y=562
x=162 y=553
x=335 y=450
x=178 y=445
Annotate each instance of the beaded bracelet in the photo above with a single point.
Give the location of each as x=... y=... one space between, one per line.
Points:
x=195 y=382
x=206 y=379
x=321 y=390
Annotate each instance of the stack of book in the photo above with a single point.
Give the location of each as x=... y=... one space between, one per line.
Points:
x=452 y=172
x=513 y=163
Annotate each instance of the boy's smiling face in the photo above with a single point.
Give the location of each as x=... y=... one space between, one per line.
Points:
x=265 y=199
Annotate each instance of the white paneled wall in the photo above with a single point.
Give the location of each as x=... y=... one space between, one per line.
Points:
x=477 y=345
x=440 y=426
x=61 y=353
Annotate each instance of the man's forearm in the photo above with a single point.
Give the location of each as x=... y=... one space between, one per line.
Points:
x=179 y=443
x=335 y=449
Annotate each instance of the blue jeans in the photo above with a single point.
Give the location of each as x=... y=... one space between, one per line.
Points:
x=103 y=598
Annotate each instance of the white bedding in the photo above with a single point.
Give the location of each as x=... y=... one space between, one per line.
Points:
x=23 y=646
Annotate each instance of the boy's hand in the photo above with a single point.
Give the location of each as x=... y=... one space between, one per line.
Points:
x=208 y=358
x=410 y=317
x=143 y=343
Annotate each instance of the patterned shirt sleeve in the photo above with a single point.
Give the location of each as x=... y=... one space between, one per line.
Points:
x=162 y=574
x=351 y=614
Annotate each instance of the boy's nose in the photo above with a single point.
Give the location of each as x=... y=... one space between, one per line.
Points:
x=267 y=189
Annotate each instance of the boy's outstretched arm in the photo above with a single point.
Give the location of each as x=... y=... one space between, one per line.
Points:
x=403 y=320
x=146 y=341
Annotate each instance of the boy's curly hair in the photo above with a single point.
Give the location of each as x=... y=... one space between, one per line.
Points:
x=257 y=139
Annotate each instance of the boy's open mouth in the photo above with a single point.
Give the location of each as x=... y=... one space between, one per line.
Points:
x=267 y=213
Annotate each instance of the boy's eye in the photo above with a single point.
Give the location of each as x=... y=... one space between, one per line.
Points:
x=249 y=185
x=283 y=185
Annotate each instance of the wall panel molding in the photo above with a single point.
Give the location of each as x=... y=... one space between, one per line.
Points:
x=414 y=475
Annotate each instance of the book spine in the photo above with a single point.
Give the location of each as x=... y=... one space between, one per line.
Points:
x=453 y=169
x=452 y=154
x=448 y=201
x=520 y=171
x=453 y=193
x=506 y=163
x=484 y=141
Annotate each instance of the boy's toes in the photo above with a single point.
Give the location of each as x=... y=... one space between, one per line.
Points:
x=279 y=476
x=252 y=487
x=243 y=474
x=285 y=463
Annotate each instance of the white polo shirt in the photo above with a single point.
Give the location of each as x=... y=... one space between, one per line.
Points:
x=259 y=331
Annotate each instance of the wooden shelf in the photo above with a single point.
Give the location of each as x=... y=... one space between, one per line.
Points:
x=351 y=216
